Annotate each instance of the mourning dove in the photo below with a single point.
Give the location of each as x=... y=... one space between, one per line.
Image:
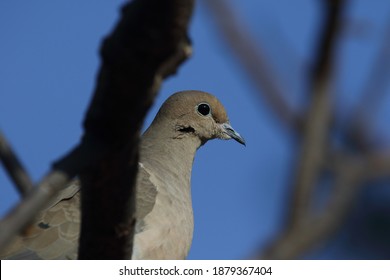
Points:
x=164 y=226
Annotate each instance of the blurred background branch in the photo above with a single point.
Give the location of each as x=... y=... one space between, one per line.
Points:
x=314 y=147
x=372 y=95
x=317 y=125
x=305 y=227
x=254 y=61
x=14 y=167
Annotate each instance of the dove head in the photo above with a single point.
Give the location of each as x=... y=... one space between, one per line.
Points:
x=196 y=114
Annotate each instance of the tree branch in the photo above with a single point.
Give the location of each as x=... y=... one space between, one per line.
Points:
x=253 y=60
x=148 y=44
x=373 y=92
x=315 y=136
x=303 y=229
x=377 y=165
x=14 y=167
x=23 y=213
x=301 y=237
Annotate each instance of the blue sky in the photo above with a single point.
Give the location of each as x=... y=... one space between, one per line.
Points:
x=48 y=65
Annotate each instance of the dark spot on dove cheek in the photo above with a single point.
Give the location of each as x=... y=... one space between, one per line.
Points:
x=43 y=225
x=187 y=129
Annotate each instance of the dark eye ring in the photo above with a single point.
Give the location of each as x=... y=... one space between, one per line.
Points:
x=203 y=109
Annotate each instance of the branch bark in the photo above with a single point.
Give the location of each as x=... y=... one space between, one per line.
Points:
x=147 y=45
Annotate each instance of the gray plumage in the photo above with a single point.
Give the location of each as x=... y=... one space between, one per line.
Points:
x=164 y=215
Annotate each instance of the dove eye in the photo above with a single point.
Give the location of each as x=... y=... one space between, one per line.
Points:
x=203 y=109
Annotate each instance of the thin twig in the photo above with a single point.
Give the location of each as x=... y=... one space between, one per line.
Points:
x=23 y=213
x=303 y=228
x=377 y=165
x=253 y=60
x=373 y=92
x=14 y=167
x=315 y=137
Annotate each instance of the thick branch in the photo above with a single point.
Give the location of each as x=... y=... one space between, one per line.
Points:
x=147 y=45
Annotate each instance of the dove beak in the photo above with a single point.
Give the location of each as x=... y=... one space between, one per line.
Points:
x=232 y=134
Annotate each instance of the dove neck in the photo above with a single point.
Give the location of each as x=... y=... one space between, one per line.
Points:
x=163 y=149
